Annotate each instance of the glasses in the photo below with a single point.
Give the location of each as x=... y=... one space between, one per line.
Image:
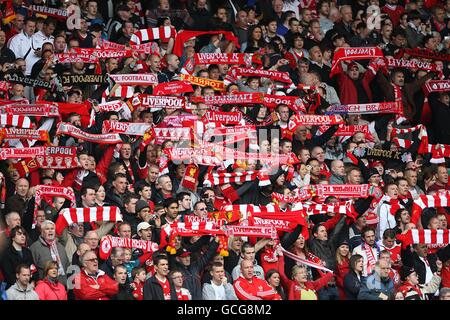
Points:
x=202 y=209
x=92 y=260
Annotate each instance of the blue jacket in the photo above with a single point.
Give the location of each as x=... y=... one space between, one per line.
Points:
x=352 y=285
x=373 y=286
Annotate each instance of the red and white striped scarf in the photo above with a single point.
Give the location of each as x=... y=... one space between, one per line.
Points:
x=71 y=130
x=47 y=110
x=371 y=260
x=163 y=33
x=424 y=236
x=214 y=179
x=14 y=120
x=123 y=92
x=44 y=190
x=69 y=216
x=437 y=200
x=296 y=104
x=307 y=262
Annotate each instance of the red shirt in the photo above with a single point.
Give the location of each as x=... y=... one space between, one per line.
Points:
x=138 y=291
x=166 y=288
x=183 y=294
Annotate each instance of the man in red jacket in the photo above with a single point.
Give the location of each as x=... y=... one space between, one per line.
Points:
x=92 y=283
x=249 y=287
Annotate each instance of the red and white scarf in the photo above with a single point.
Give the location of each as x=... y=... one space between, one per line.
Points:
x=173 y=88
x=436 y=86
x=62 y=14
x=227 y=118
x=236 y=98
x=69 y=216
x=342 y=190
x=13 y=120
x=147 y=79
x=31 y=134
x=130 y=128
x=296 y=104
x=437 y=200
x=163 y=33
x=109 y=242
x=424 y=236
x=158 y=102
x=59 y=158
x=71 y=130
x=44 y=190
x=307 y=262
x=203 y=82
x=427 y=54
x=313 y=120
x=226 y=58
x=111 y=106
x=214 y=179
x=20 y=153
x=103 y=53
x=411 y=64
x=147 y=48
x=75 y=57
x=349 y=53
x=369 y=108
x=123 y=92
x=371 y=259
x=43 y=110
x=235 y=72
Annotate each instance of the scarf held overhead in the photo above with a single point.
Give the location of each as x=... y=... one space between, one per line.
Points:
x=71 y=130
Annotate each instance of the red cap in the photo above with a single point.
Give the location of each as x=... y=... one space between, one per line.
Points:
x=352 y=65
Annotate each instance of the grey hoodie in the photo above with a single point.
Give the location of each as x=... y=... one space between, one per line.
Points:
x=15 y=292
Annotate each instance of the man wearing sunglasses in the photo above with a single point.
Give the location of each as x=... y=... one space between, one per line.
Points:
x=92 y=283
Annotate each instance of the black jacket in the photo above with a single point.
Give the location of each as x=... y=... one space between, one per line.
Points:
x=9 y=261
x=192 y=274
x=125 y=293
x=411 y=259
x=352 y=285
x=154 y=291
x=326 y=249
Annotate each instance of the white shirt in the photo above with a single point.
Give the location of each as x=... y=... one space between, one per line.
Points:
x=39 y=38
x=429 y=273
x=219 y=291
x=20 y=44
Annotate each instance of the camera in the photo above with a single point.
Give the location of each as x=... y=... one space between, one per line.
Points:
x=10 y=66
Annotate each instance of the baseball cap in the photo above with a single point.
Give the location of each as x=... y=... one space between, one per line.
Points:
x=143 y=225
x=123 y=7
x=352 y=65
x=141 y=204
x=183 y=253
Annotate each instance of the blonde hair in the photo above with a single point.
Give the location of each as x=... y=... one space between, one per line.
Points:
x=340 y=258
x=50 y=265
x=296 y=269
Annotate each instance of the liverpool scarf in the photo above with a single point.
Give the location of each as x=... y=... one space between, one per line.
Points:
x=130 y=128
x=411 y=64
x=44 y=190
x=236 y=98
x=102 y=53
x=19 y=153
x=235 y=72
x=71 y=130
x=172 y=88
x=31 y=134
x=296 y=104
x=379 y=154
x=27 y=81
x=107 y=243
x=436 y=86
x=135 y=79
x=349 y=53
x=41 y=110
x=342 y=190
x=58 y=158
x=77 y=79
x=313 y=120
x=60 y=14
x=69 y=216
x=159 y=102
x=227 y=58
x=226 y=118
x=75 y=57
x=427 y=54
x=424 y=236
x=163 y=33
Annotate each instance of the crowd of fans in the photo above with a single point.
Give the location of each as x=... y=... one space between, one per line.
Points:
x=359 y=253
